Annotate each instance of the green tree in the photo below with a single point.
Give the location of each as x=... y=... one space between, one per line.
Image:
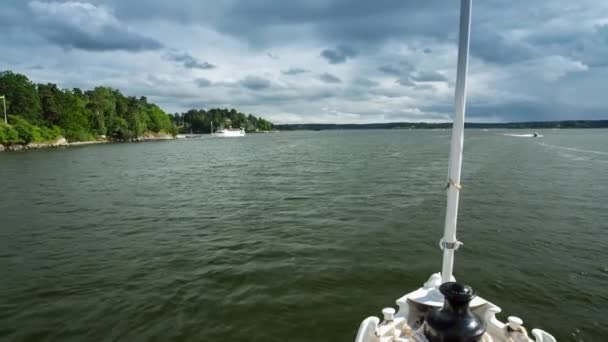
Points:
x=8 y=134
x=74 y=117
x=49 y=99
x=21 y=96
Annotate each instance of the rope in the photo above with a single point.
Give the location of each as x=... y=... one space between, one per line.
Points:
x=451 y=182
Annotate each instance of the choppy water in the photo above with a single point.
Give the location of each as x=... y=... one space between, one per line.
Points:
x=296 y=236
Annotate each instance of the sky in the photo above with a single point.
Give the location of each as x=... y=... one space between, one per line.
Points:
x=321 y=61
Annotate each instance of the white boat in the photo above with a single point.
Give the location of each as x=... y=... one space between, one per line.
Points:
x=442 y=309
x=230 y=132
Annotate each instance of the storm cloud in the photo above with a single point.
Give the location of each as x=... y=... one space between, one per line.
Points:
x=329 y=78
x=338 y=55
x=188 y=61
x=255 y=83
x=321 y=61
x=390 y=69
x=428 y=76
x=294 y=71
x=202 y=82
x=85 y=26
x=364 y=82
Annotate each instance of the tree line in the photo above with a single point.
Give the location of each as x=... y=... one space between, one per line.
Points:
x=203 y=121
x=44 y=112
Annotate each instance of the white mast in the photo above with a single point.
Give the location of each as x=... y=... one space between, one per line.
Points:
x=449 y=242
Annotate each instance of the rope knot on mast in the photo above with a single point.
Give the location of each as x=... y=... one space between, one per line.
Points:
x=451 y=182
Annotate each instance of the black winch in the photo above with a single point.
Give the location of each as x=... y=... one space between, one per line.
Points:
x=454 y=322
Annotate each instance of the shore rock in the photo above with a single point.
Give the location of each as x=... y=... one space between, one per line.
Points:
x=155 y=136
x=60 y=142
x=149 y=136
x=34 y=146
x=15 y=148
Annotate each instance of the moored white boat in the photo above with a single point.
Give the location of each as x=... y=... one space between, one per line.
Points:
x=230 y=132
x=443 y=310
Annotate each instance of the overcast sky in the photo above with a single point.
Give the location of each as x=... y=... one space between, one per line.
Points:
x=323 y=61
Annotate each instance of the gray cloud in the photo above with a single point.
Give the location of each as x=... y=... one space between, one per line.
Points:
x=265 y=24
x=397 y=69
x=335 y=20
x=529 y=60
x=202 y=82
x=364 y=82
x=590 y=47
x=294 y=71
x=405 y=81
x=428 y=76
x=86 y=26
x=390 y=70
x=255 y=83
x=188 y=61
x=338 y=55
x=329 y=78
x=495 y=48
x=424 y=86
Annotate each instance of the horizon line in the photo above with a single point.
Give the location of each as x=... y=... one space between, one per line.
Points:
x=447 y=122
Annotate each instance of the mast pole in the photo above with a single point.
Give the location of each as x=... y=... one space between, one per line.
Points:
x=449 y=242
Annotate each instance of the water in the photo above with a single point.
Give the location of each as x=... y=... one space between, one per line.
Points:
x=296 y=236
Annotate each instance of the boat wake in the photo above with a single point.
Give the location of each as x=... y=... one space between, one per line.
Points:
x=574 y=149
x=523 y=135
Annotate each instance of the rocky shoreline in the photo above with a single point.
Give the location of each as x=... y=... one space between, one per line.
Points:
x=62 y=142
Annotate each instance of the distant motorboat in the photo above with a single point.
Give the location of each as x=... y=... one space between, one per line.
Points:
x=529 y=135
x=230 y=132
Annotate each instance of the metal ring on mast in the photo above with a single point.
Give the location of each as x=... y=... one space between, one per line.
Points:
x=449 y=245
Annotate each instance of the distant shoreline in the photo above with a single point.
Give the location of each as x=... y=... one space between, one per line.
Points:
x=423 y=125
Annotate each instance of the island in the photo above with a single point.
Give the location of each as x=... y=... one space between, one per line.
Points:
x=43 y=115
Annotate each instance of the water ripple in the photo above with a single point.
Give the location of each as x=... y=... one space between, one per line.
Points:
x=295 y=236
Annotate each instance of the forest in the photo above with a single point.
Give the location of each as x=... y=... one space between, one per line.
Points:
x=39 y=113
